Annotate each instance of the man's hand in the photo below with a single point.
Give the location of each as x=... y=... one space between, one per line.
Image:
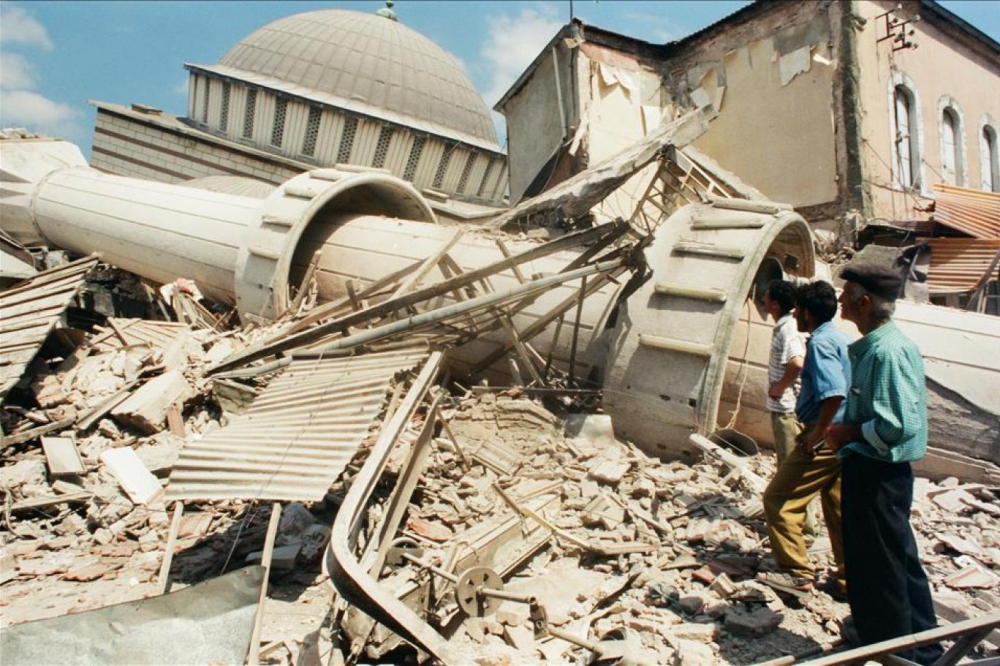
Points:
x=839 y=434
x=776 y=391
x=812 y=438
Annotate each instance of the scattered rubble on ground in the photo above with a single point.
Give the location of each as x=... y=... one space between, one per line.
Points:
x=660 y=559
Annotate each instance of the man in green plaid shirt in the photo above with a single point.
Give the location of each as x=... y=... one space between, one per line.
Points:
x=884 y=429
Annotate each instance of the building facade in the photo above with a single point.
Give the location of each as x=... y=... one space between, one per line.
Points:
x=818 y=105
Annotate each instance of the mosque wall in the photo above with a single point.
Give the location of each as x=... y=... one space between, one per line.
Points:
x=318 y=134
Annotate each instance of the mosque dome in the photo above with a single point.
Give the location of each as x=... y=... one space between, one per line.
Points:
x=368 y=63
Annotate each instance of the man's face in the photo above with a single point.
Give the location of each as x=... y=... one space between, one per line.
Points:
x=771 y=308
x=848 y=308
x=801 y=318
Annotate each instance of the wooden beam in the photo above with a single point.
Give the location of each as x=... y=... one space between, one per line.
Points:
x=429 y=264
x=34 y=433
x=253 y=658
x=163 y=582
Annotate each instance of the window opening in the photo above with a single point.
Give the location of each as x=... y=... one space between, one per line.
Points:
x=251 y=111
x=382 y=147
x=204 y=101
x=414 y=159
x=224 y=112
x=906 y=145
x=312 y=131
x=347 y=140
x=989 y=166
x=278 y=130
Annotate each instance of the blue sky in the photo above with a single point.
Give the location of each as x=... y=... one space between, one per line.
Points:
x=56 y=55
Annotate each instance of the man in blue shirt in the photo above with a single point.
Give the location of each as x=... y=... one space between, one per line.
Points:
x=811 y=468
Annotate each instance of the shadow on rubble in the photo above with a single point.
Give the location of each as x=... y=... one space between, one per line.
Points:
x=199 y=558
x=738 y=650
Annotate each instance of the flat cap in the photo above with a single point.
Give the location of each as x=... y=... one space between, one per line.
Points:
x=879 y=280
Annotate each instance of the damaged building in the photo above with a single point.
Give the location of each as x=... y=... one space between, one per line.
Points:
x=357 y=393
x=858 y=114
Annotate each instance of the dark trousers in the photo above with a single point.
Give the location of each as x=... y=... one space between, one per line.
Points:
x=886 y=584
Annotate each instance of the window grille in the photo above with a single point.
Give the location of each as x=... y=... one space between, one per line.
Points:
x=312 y=131
x=204 y=101
x=442 y=167
x=278 y=130
x=248 y=116
x=486 y=176
x=224 y=113
x=414 y=159
x=347 y=140
x=466 y=170
x=382 y=147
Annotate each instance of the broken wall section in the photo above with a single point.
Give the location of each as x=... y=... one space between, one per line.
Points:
x=586 y=96
x=773 y=81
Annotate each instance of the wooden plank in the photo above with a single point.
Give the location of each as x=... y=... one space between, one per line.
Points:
x=175 y=420
x=62 y=456
x=428 y=265
x=34 y=433
x=163 y=582
x=51 y=500
x=511 y=330
x=253 y=658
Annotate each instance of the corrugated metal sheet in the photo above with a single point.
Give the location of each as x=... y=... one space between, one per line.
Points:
x=139 y=331
x=298 y=435
x=29 y=312
x=957 y=264
x=974 y=212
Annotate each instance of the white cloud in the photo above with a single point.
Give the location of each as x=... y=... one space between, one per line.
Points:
x=16 y=73
x=181 y=88
x=19 y=26
x=20 y=105
x=22 y=108
x=512 y=43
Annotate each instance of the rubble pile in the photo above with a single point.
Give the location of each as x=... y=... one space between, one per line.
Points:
x=653 y=562
x=666 y=557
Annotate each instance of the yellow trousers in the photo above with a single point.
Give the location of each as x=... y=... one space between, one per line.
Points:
x=799 y=478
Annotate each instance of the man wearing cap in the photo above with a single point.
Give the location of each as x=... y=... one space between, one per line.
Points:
x=883 y=431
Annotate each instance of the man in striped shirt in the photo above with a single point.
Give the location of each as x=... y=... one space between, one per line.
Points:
x=883 y=431
x=784 y=364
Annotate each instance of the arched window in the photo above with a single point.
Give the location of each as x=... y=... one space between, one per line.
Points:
x=907 y=146
x=952 y=155
x=989 y=168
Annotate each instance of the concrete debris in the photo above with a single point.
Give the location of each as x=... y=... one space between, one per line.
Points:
x=655 y=561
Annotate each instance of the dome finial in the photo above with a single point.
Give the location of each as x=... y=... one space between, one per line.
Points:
x=387 y=12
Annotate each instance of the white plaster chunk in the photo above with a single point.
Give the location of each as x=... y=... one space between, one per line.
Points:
x=792 y=64
x=137 y=481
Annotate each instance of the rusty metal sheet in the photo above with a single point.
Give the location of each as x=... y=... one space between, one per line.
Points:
x=207 y=623
x=958 y=264
x=29 y=312
x=974 y=212
x=297 y=436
